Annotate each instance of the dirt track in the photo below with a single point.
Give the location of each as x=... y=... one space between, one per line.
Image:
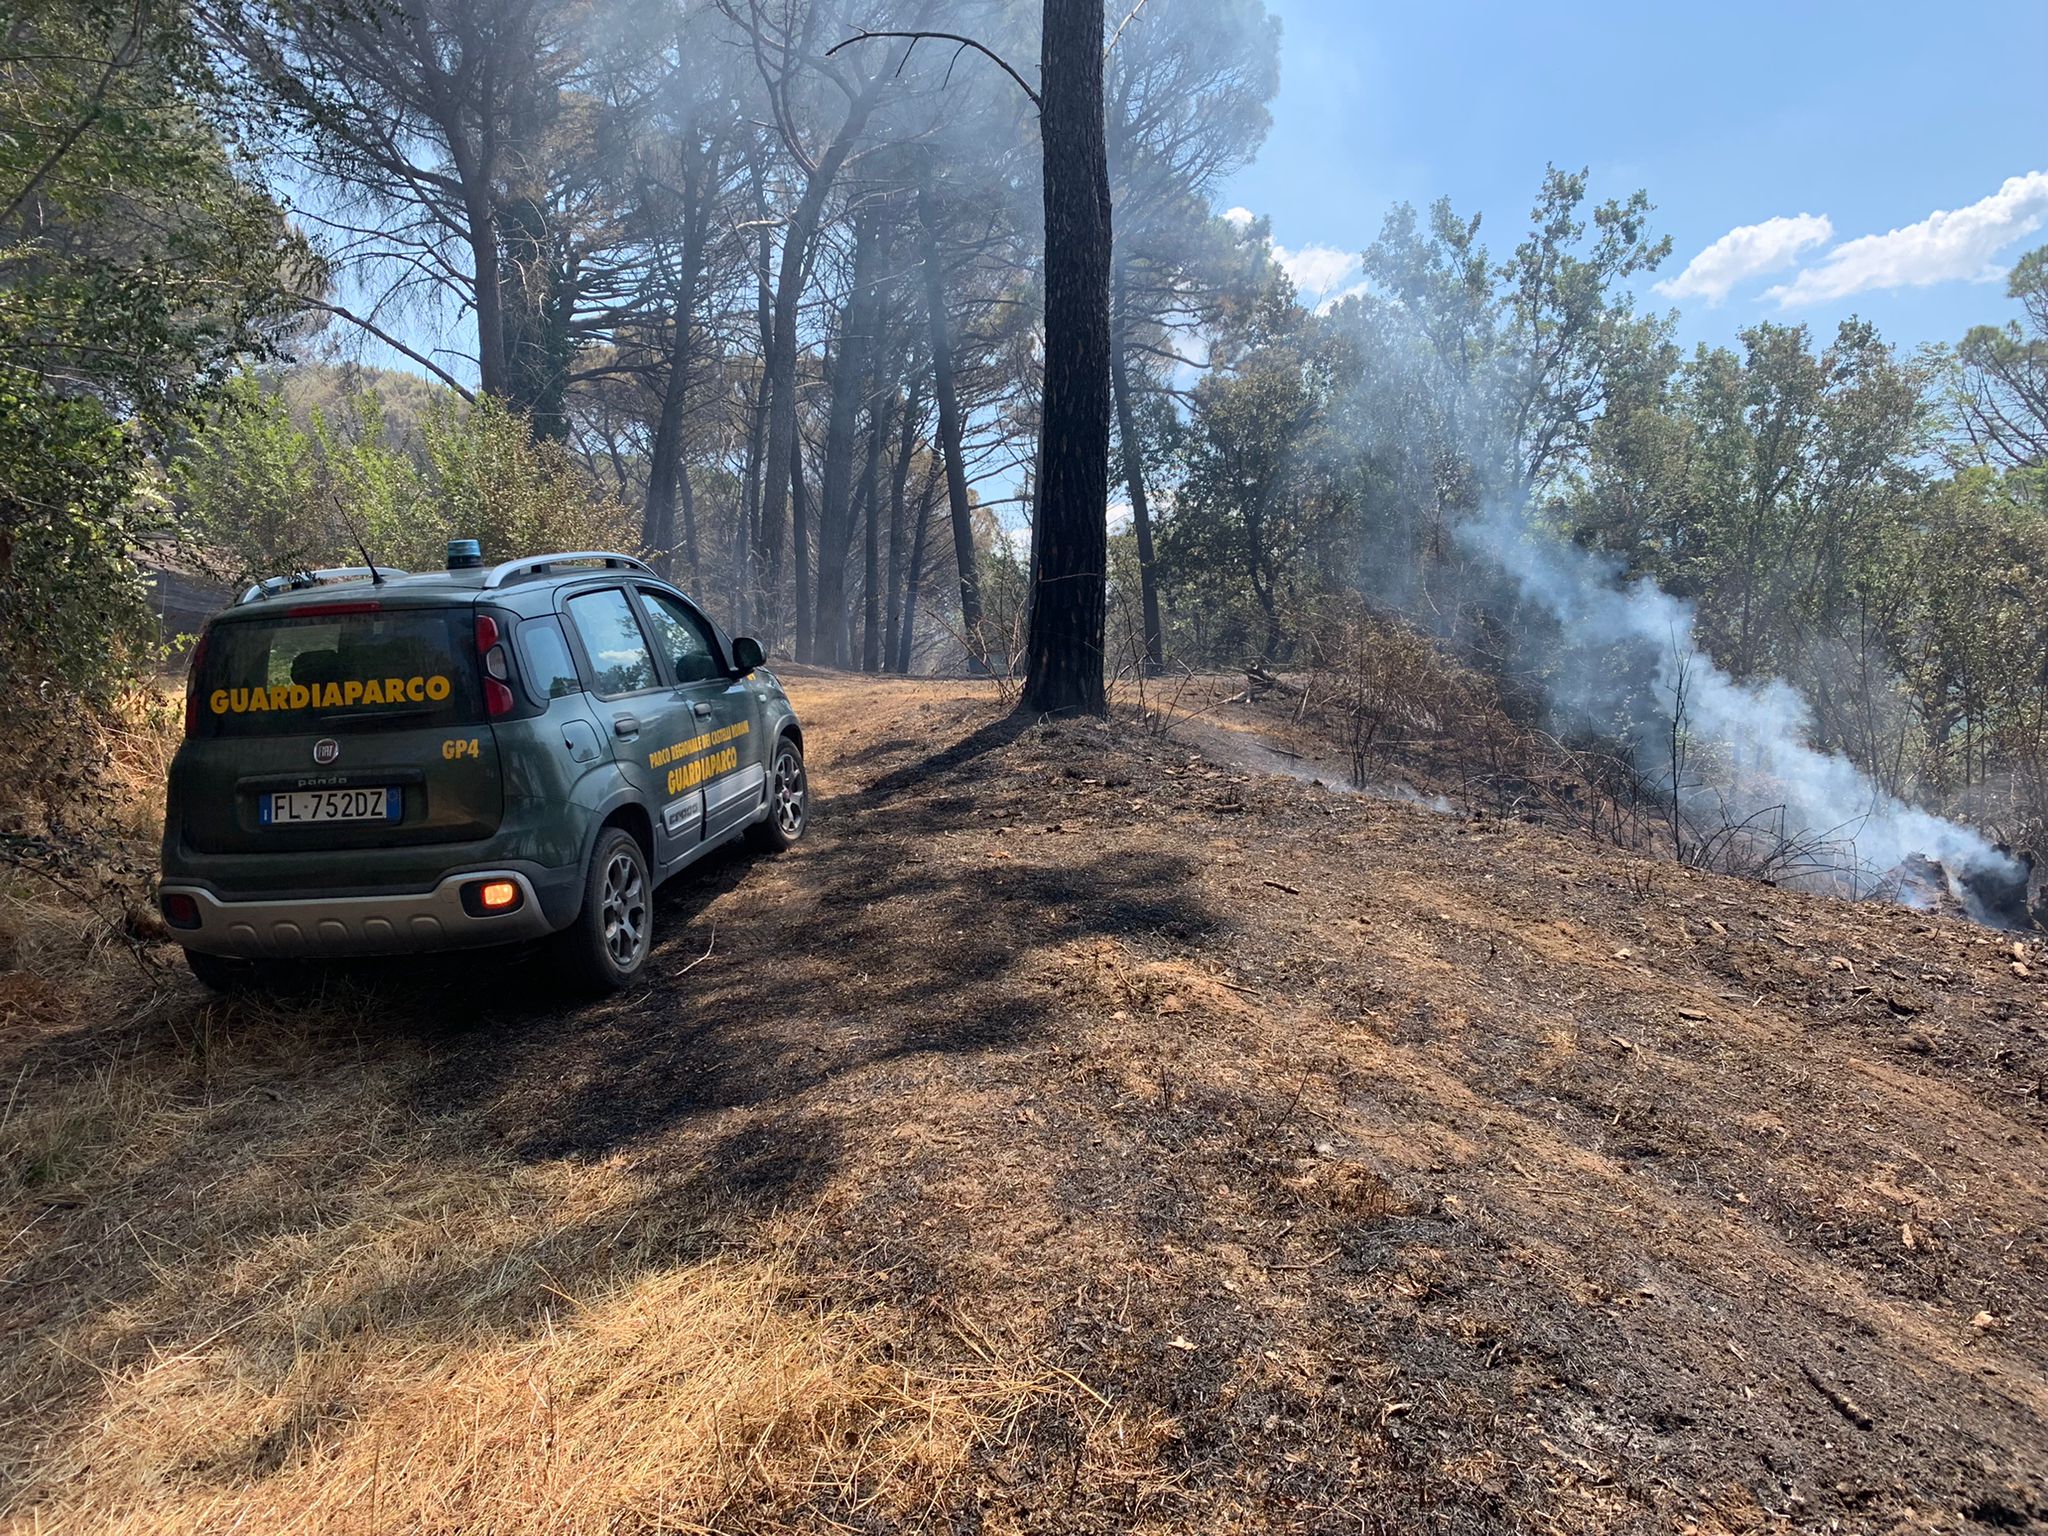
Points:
x=1351 y=1166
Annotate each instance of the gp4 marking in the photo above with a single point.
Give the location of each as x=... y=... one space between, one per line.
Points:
x=457 y=747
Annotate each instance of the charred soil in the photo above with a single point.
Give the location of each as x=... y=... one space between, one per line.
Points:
x=1279 y=1158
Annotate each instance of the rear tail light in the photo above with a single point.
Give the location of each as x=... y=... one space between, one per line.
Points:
x=180 y=910
x=490 y=898
x=490 y=650
x=192 y=685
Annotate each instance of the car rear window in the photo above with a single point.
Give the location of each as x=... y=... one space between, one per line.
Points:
x=544 y=651
x=330 y=673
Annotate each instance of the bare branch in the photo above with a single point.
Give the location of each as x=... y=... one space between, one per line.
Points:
x=1118 y=35
x=947 y=37
x=394 y=343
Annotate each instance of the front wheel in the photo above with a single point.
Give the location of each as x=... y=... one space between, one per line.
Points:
x=608 y=944
x=789 y=800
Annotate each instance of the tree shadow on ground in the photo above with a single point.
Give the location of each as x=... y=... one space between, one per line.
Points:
x=732 y=1078
x=891 y=945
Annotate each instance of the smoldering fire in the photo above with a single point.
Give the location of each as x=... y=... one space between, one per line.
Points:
x=1833 y=826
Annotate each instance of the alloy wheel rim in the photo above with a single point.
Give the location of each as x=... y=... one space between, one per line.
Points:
x=789 y=794
x=624 y=910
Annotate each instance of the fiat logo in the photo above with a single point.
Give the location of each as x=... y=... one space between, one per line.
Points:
x=326 y=750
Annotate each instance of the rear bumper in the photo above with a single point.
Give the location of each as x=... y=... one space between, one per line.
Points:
x=395 y=923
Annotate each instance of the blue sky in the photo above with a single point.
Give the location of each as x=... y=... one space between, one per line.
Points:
x=1866 y=119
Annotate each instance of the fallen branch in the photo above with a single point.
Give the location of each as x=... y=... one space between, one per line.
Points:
x=1263 y=682
x=1840 y=1401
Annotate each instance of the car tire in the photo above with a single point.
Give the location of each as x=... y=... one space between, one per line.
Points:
x=607 y=946
x=789 y=800
x=220 y=973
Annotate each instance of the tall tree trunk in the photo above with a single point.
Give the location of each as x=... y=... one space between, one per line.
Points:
x=785 y=463
x=537 y=297
x=745 y=537
x=949 y=434
x=664 y=457
x=666 y=474
x=1154 y=659
x=913 y=409
x=752 y=536
x=871 y=539
x=687 y=496
x=490 y=306
x=800 y=550
x=780 y=456
x=1070 y=534
x=914 y=577
x=849 y=372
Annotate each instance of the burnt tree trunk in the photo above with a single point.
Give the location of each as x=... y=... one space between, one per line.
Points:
x=750 y=512
x=1070 y=534
x=783 y=468
x=949 y=434
x=899 y=480
x=536 y=291
x=914 y=577
x=800 y=546
x=686 y=498
x=871 y=539
x=851 y=367
x=751 y=537
x=1154 y=659
x=665 y=472
x=490 y=305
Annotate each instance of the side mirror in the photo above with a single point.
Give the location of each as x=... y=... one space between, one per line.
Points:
x=747 y=654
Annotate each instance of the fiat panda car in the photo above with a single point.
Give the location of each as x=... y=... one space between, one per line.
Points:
x=378 y=763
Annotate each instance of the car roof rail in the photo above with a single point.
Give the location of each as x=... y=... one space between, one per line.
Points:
x=299 y=581
x=537 y=565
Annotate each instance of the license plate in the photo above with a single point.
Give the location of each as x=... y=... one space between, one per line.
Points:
x=288 y=808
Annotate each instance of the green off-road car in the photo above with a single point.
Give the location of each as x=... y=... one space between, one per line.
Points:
x=381 y=763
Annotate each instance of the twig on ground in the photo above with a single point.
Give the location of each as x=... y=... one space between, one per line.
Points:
x=1311 y=1264
x=1292 y=1104
x=703 y=957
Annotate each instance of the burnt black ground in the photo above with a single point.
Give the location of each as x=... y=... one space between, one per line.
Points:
x=1350 y=1166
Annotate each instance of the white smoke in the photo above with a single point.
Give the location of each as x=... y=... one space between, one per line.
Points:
x=1756 y=736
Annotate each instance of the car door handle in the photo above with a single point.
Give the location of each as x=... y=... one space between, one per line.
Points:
x=625 y=725
x=701 y=709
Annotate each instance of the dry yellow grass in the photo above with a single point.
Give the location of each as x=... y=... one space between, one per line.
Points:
x=321 y=1308
x=236 y=1313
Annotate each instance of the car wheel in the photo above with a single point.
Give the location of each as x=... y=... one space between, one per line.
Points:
x=219 y=973
x=789 y=800
x=608 y=944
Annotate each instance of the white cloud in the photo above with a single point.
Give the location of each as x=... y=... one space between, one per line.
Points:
x=1119 y=516
x=1748 y=251
x=1239 y=216
x=1946 y=246
x=1320 y=273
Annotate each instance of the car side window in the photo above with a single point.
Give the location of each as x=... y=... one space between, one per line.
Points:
x=620 y=661
x=684 y=638
x=544 y=653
